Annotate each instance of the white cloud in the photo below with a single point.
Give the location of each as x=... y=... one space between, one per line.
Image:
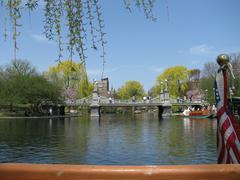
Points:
x=41 y=38
x=202 y=49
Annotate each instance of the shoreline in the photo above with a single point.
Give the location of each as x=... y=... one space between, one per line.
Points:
x=39 y=117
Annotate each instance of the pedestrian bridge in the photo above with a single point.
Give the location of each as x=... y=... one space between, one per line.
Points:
x=104 y=101
x=163 y=104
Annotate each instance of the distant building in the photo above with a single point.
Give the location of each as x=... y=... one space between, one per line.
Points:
x=103 y=87
x=194 y=93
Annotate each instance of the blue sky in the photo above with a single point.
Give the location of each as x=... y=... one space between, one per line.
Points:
x=194 y=32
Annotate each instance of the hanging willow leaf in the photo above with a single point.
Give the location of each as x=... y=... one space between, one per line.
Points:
x=15 y=7
x=83 y=19
x=101 y=32
x=71 y=35
x=31 y=4
x=49 y=19
x=57 y=19
x=79 y=30
x=90 y=17
x=5 y=29
x=127 y=4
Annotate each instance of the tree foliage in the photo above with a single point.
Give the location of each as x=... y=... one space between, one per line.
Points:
x=21 y=84
x=209 y=74
x=207 y=88
x=130 y=89
x=210 y=69
x=235 y=60
x=176 y=77
x=70 y=77
x=194 y=74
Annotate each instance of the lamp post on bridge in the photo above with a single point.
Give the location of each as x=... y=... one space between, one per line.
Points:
x=166 y=92
x=206 y=95
x=165 y=110
x=161 y=92
x=95 y=106
x=179 y=90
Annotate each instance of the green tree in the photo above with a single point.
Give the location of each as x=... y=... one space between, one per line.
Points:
x=21 y=84
x=207 y=88
x=39 y=89
x=210 y=69
x=85 y=88
x=207 y=80
x=70 y=75
x=20 y=68
x=177 y=80
x=194 y=74
x=209 y=74
x=130 y=89
x=235 y=60
x=155 y=90
x=13 y=81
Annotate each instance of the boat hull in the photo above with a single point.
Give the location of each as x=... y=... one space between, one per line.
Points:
x=200 y=116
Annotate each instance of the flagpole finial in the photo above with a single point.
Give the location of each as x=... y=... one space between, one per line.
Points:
x=223 y=59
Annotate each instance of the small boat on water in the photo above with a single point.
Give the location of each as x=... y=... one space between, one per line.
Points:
x=204 y=113
x=201 y=114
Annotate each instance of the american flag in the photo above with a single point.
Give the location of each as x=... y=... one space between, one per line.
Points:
x=228 y=132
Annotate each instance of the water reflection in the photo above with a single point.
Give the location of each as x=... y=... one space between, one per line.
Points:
x=112 y=139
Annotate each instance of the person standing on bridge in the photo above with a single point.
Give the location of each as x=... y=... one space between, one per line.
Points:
x=50 y=111
x=110 y=100
x=133 y=99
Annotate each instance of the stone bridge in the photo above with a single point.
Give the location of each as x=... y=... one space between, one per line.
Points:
x=163 y=102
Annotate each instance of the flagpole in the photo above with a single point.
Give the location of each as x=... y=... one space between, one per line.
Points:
x=228 y=137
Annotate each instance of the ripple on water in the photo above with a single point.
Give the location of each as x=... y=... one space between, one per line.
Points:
x=115 y=139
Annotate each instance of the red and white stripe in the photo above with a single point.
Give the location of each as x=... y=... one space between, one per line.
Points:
x=228 y=131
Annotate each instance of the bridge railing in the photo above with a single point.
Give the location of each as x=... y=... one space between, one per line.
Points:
x=84 y=101
x=104 y=100
x=126 y=101
x=156 y=100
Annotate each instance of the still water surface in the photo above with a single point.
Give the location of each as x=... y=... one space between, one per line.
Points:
x=142 y=139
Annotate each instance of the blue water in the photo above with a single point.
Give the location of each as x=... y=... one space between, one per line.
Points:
x=141 y=139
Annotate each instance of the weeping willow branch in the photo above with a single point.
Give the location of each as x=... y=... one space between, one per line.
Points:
x=90 y=17
x=14 y=10
x=31 y=5
x=57 y=18
x=146 y=5
x=83 y=19
x=80 y=30
x=49 y=19
x=5 y=29
x=101 y=32
x=71 y=35
x=127 y=4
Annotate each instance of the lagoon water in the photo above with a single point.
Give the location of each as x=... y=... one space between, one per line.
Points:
x=141 y=139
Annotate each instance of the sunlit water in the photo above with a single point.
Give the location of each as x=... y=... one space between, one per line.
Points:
x=141 y=139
